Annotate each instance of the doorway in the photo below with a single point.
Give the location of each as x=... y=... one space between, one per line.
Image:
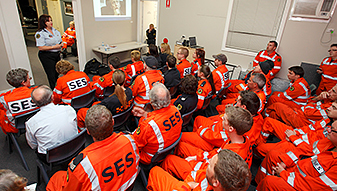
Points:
x=149 y=15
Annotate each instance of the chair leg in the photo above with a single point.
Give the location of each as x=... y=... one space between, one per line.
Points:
x=9 y=143
x=143 y=177
x=42 y=171
x=19 y=151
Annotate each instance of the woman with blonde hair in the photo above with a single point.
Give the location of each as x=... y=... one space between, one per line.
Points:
x=9 y=181
x=71 y=84
x=121 y=99
x=165 y=50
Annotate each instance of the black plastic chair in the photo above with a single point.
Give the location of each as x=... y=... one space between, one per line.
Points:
x=20 y=121
x=84 y=100
x=121 y=118
x=156 y=159
x=221 y=93
x=173 y=90
x=108 y=91
x=60 y=154
x=187 y=117
x=207 y=100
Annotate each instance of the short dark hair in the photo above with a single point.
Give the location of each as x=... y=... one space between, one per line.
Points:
x=240 y=119
x=251 y=101
x=189 y=84
x=114 y=62
x=333 y=45
x=45 y=99
x=298 y=70
x=171 y=61
x=99 y=122
x=232 y=171
x=15 y=77
x=274 y=42
x=153 y=50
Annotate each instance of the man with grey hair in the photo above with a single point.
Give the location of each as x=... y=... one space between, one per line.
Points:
x=17 y=101
x=110 y=163
x=157 y=129
x=255 y=83
x=52 y=125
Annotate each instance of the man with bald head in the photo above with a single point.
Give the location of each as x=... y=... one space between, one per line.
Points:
x=52 y=125
x=157 y=129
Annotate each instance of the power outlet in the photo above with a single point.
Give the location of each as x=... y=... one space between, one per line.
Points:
x=330 y=30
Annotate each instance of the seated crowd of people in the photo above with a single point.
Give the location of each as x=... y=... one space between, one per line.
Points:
x=216 y=154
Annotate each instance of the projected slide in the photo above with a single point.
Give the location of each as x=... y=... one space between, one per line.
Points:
x=108 y=10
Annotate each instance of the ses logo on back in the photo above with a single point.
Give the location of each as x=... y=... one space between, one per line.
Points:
x=77 y=84
x=21 y=105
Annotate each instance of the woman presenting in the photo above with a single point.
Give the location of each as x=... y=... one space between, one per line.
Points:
x=48 y=40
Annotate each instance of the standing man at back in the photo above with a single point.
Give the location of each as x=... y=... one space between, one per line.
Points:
x=184 y=66
x=143 y=83
x=220 y=74
x=110 y=163
x=269 y=54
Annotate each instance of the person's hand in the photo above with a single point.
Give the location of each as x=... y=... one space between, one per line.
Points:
x=319 y=71
x=277 y=169
x=324 y=95
x=58 y=46
x=139 y=112
x=193 y=184
x=289 y=133
x=190 y=158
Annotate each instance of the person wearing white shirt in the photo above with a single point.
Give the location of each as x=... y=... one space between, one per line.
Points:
x=52 y=125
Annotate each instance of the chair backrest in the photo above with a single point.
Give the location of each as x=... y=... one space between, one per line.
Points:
x=84 y=100
x=173 y=90
x=68 y=149
x=188 y=116
x=222 y=91
x=108 y=91
x=161 y=155
x=122 y=117
x=207 y=100
x=20 y=120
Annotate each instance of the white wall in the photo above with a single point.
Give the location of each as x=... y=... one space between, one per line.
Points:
x=109 y=32
x=206 y=20
x=13 y=51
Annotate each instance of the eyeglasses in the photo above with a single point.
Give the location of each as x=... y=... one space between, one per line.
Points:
x=332 y=50
x=333 y=130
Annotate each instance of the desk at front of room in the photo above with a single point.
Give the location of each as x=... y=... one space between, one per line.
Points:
x=190 y=50
x=107 y=51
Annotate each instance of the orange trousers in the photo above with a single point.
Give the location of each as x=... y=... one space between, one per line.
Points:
x=273 y=183
x=160 y=180
x=271 y=160
x=275 y=99
x=194 y=139
x=289 y=115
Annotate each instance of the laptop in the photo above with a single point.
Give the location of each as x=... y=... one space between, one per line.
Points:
x=193 y=42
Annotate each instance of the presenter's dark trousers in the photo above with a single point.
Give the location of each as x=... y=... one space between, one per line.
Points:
x=49 y=60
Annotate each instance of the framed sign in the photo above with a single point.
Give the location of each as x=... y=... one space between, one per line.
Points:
x=68 y=8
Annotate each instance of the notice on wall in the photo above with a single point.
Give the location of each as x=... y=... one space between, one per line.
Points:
x=168 y=4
